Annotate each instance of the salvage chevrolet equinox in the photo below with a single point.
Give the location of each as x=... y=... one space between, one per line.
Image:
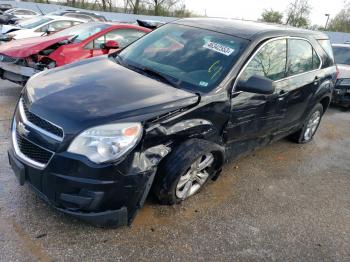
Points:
x=163 y=115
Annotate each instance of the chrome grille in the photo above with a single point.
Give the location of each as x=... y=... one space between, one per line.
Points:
x=40 y=123
x=32 y=151
x=8 y=59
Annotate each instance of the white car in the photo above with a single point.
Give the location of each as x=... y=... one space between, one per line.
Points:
x=17 y=14
x=37 y=26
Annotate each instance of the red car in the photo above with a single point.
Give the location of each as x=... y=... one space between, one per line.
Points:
x=20 y=59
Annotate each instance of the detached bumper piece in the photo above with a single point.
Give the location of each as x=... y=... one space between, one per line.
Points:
x=341 y=93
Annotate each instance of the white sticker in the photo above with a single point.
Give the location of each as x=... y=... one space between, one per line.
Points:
x=202 y=83
x=219 y=48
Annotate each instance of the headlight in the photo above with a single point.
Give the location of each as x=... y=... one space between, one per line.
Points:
x=108 y=142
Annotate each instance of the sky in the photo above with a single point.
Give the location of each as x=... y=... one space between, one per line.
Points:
x=252 y=9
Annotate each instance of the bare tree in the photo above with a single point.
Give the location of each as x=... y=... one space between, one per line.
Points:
x=298 y=13
x=159 y=5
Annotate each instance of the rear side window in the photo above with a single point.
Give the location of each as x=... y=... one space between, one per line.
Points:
x=326 y=45
x=269 y=62
x=342 y=55
x=301 y=57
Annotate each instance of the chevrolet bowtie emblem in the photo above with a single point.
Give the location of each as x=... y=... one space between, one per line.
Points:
x=21 y=129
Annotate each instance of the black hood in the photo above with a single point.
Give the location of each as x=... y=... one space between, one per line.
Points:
x=98 y=91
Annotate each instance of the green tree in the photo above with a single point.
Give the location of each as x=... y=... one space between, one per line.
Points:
x=341 y=22
x=271 y=16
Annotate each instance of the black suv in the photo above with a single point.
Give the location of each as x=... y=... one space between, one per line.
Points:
x=165 y=113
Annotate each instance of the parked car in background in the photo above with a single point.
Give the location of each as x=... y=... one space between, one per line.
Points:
x=4 y=7
x=341 y=94
x=89 y=16
x=21 y=59
x=38 y=26
x=166 y=112
x=15 y=15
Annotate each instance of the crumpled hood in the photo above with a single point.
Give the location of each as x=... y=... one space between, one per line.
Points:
x=98 y=91
x=22 y=48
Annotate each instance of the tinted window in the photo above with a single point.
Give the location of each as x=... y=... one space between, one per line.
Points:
x=269 y=62
x=80 y=16
x=301 y=57
x=193 y=58
x=83 y=31
x=342 y=55
x=123 y=36
x=56 y=26
x=34 y=22
x=326 y=45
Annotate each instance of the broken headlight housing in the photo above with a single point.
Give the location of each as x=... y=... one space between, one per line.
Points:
x=107 y=143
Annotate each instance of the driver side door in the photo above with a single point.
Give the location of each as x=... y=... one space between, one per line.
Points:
x=254 y=117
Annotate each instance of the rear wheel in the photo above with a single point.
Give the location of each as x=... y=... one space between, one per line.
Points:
x=312 y=122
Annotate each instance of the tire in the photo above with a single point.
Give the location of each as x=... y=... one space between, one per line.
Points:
x=307 y=132
x=178 y=165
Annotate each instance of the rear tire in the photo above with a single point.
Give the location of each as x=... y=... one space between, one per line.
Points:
x=310 y=126
x=186 y=170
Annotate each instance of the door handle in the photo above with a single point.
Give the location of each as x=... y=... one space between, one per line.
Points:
x=282 y=94
x=317 y=80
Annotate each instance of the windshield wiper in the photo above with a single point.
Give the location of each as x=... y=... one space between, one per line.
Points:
x=148 y=71
x=160 y=76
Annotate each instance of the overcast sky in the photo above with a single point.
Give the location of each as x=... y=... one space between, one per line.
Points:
x=252 y=9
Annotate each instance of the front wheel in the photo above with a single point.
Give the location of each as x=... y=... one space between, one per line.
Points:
x=311 y=124
x=186 y=170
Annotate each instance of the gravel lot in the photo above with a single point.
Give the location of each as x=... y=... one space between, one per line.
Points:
x=285 y=202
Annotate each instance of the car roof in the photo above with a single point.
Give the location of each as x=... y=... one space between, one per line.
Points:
x=57 y=17
x=248 y=29
x=341 y=45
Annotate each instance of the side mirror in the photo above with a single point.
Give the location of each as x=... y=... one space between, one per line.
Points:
x=257 y=84
x=50 y=31
x=111 y=44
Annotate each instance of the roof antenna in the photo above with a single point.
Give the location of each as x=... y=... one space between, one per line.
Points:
x=37 y=6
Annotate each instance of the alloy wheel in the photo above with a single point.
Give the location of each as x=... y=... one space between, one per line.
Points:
x=195 y=177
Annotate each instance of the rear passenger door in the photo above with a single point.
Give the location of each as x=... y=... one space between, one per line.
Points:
x=302 y=81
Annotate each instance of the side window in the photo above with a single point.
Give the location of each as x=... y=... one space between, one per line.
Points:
x=57 y=26
x=301 y=57
x=19 y=12
x=123 y=36
x=269 y=62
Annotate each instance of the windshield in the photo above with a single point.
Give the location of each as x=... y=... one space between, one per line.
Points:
x=341 y=55
x=34 y=22
x=82 y=31
x=193 y=58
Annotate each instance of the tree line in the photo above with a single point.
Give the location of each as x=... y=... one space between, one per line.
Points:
x=298 y=12
x=176 y=8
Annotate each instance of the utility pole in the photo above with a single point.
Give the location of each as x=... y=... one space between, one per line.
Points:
x=325 y=27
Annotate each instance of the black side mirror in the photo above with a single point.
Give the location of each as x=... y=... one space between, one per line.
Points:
x=50 y=31
x=257 y=84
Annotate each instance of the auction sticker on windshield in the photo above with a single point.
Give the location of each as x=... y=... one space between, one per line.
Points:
x=225 y=50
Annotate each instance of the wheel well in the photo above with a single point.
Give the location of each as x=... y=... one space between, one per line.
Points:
x=325 y=103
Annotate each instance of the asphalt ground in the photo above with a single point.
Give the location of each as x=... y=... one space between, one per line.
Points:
x=284 y=202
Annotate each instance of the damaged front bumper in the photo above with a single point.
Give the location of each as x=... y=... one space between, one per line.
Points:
x=102 y=195
x=16 y=73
